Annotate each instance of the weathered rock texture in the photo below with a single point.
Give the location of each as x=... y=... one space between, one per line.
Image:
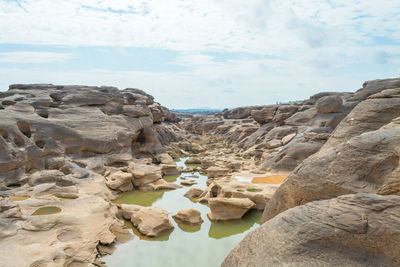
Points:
x=351 y=230
x=151 y=221
x=340 y=206
x=42 y=121
x=223 y=209
x=362 y=155
x=189 y=216
x=66 y=147
x=279 y=137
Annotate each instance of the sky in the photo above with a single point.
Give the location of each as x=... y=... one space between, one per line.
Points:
x=202 y=53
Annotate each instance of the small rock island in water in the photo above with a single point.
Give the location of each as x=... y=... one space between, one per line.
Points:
x=97 y=176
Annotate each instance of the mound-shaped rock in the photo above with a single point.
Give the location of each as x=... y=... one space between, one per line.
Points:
x=351 y=230
x=151 y=221
x=189 y=216
x=193 y=192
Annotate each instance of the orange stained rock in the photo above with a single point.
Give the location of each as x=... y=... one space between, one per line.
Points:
x=273 y=179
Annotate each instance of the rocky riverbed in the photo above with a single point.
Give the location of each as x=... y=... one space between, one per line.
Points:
x=96 y=175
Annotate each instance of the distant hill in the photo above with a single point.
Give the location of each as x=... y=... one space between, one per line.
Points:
x=197 y=110
x=193 y=112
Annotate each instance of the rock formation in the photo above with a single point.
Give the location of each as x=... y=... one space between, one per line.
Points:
x=193 y=193
x=325 y=171
x=278 y=136
x=223 y=209
x=189 y=216
x=361 y=156
x=339 y=206
x=151 y=221
x=72 y=149
x=350 y=230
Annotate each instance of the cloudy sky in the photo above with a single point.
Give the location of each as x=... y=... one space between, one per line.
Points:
x=202 y=53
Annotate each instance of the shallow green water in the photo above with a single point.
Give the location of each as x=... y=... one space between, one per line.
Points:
x=141 y=198
x=187 y=245
x=171 y=178
x=47 y=211
x=16 y=199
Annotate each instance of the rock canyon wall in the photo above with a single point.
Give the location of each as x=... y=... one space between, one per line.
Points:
x=324 y=172
x=340 y=205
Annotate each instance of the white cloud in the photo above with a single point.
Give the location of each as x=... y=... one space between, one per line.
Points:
x=32 y=57
x=258 y=26
x=314 y=44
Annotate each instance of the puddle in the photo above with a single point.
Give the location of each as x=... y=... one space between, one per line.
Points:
x=16 y=199
x=46 y=211
x=273 y=179
x=171 y=178
x=196 y=246
x=142 y=198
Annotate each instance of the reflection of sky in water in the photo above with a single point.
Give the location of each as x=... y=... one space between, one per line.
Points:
x=187 y=245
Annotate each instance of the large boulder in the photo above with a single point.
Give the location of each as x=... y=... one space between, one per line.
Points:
x=121 y=181
x=145 y=174
x=369 y=115
x=151 y=221
x=329 y=104
x=228 y=208
x=189 y=216
x=351 y=230
x=193 y=193
x=215 y=171
x=260 y=194
x=264 y=115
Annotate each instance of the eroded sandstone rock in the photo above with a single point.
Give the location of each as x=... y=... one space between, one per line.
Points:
x=214 y=171
x=193 y=192
x=190 y=216
x=361 y=156
x=151 y=221
x=64 y=147
x=145 y=174
x=351 y=230
x=329 y=104
x=228 y=208
x=121 y=181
